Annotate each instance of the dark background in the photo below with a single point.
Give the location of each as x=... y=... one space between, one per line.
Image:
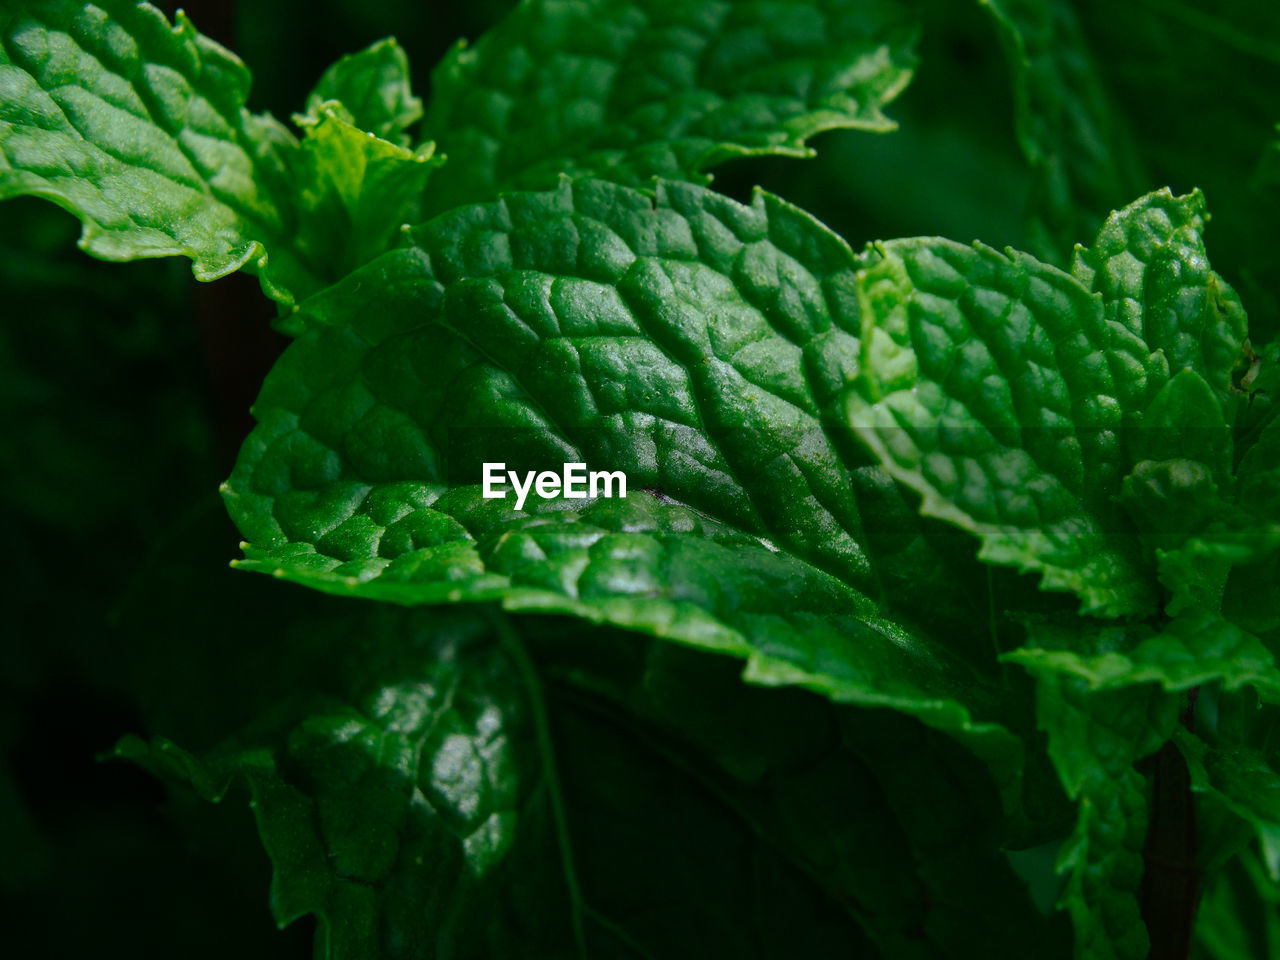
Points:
x=124 y=393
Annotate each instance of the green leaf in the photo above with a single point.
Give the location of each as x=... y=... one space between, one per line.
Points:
x=358 y=190
x=404 y=765
x=1190 y=650
x=1094 y=740
x=1259 y=475
x=1080 y=150
x=693 y=343
x=387 y=807
x=1168 y=499
x=632 y=89
x=140 y=130
x=1150 y=266
x=373 y=87
x=1234 y=557
x=1185 y=422
x=992 y=385
x=1246 y=781
x=698 y=345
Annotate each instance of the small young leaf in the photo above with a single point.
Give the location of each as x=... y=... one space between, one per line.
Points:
x=991 y=385
x=1149 y=264
x=373 y=87
x=357 y=189
x=1185 y=422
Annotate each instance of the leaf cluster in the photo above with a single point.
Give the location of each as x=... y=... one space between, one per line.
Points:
x=942 y=618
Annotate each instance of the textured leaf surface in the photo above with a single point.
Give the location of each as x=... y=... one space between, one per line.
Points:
x=1217 y=542
x=1151 y=268
x=631 y=89
x=386 y=809
x=1081 y=152
x=140 y=129
x=688 y=340
x=992 y=385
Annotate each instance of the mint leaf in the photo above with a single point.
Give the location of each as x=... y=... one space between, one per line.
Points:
x=1233 y=552
x=981 y=371
x=694 y=343
x=1081 y=153
x=373 y=87
x=1185 y=422
x=1246 y=781
x=599 y=326
x=991 y=384
x=357 y=189
x=1258 y=474
x=1150 y=266
x=140 y=130
x=1192 y=649
x=386 y=815
x=632 y=89
x=1094 y=740
x=403 y=789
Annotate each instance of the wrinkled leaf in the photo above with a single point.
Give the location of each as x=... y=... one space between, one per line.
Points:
x=632 y=89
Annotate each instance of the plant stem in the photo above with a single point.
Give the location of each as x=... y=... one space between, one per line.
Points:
x=514 y=646
x=1171 y=880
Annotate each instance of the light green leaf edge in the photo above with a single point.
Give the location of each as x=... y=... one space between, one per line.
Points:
x=139 y=128
x=1192 y=649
